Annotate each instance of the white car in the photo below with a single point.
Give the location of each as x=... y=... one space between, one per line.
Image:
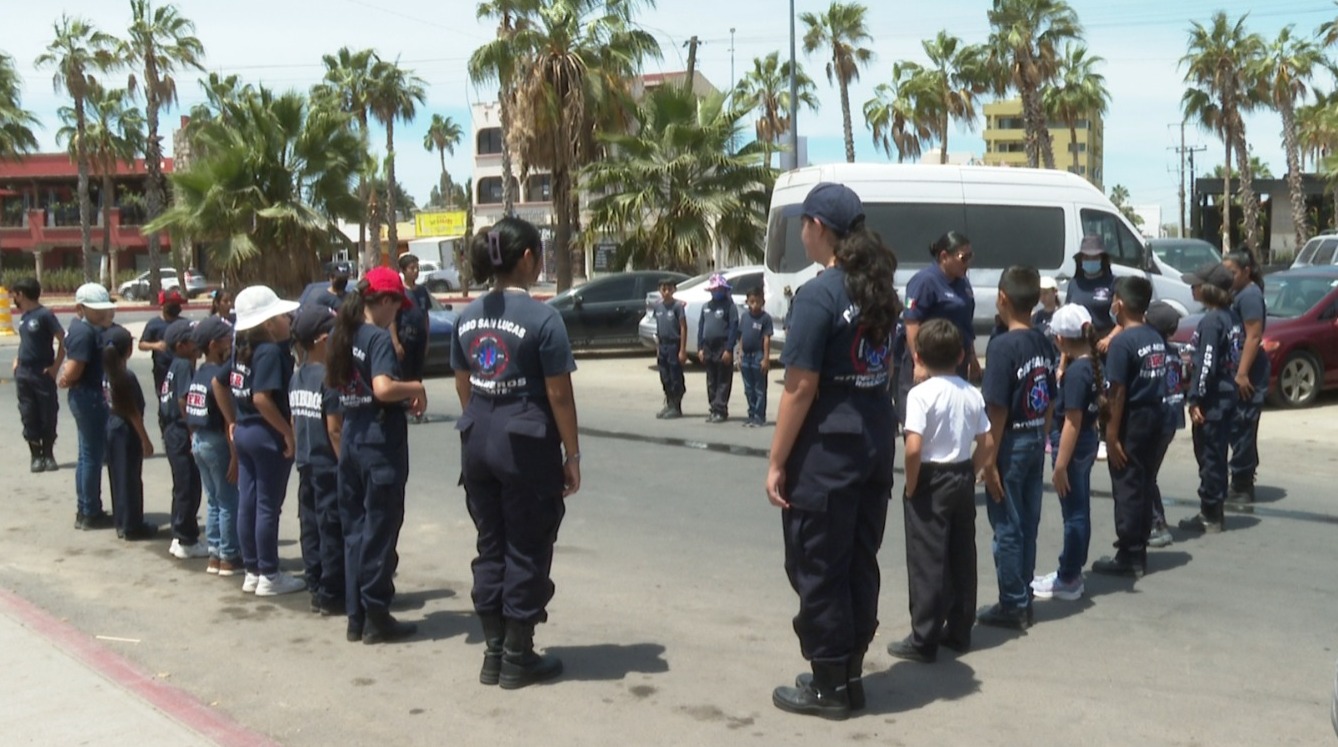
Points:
x=693 y=293
x=138 y=288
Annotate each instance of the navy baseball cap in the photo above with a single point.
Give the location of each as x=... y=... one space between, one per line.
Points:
x=209 y=329
x=1212 y=273
x=313 y=320
x=177 y=333
x=836 y=206
x=117 y=337
x=1162 y=317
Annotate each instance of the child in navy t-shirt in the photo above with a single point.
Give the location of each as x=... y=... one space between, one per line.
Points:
x=755 y=330
x=1165 y=319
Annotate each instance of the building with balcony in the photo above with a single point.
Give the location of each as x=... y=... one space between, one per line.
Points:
x=39 y=213
x=1006 y=143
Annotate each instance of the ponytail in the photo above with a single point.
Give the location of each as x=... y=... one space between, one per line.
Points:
x=339 y=359
x=1098 y=376
x=871 y=268
x=118 y=382
x=497 y=249
x=1244 y=259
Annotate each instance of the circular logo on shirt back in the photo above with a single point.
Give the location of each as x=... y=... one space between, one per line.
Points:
x=1038 y=395
x=1172 y=379
x=490 y=355
x=869 y=360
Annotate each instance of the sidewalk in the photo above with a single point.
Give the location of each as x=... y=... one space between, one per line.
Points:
x=67 y=688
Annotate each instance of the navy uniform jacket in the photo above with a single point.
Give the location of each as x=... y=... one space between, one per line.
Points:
x=38 y=330
x=668 y=317
x=719 y=324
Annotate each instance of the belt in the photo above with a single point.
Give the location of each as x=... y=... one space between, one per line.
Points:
x=963 y=467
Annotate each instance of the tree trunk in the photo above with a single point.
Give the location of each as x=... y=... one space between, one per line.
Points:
x=153 y=193
x=1226 y=193
x=943 y=142
x=508 y=186
x=109 y=278
x=85 y=201
x=1047 y=143
x=1249 y=202
x=1073 y=144
x=1031 y=106
x=1300 y=218
x=392 y=215
x=445 y=180
x=562 y=205
x=366 y=251
x=845 y=121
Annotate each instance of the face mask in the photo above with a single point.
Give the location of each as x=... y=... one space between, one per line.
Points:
x=1091 y=266
x=720 y=294
x=339 y=284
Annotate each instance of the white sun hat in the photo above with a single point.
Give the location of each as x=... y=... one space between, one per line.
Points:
x=257 y=304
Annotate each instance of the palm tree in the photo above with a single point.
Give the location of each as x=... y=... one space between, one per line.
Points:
x=394 y=96
x=900 y=113
x=1283 y=73
x=673 y=189
x=955 y=78
x=1079 y=91
x=1025 y=41
x=1119 y=197
x=161 y=42
x=841 y=30
x=114 y=134
x=1317 y=127
x=1258 y=168
x=577 y=59
x=16 y=123
x=79 y=53
x=273 y=176
x=497 y=62
x=443 y=134
x=346 y=86
x=766 y=90
x=1219 y=62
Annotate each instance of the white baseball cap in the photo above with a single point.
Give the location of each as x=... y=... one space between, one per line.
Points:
x=1070 y=320
x=93 y=296
x=1048 y=283
x=257 y=304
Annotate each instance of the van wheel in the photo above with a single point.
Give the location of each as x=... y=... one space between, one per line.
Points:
x=1299 y=381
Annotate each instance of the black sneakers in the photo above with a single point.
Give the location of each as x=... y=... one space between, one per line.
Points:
x=93 y=521
x=1119 y=566
x=999 y=616
x=906 y=649
x=144 y=531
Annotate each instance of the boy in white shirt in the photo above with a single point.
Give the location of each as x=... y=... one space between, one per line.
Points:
x=944 y=416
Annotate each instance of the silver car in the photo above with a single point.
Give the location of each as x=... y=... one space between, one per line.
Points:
x=138 y=288
x=693 y=294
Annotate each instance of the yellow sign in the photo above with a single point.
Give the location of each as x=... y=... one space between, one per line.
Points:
x=440 y=224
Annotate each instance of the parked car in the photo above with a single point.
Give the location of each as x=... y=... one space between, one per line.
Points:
x=1319 y=250
x=693 y=293
x=441 y=333
x=1300 y=334
x=1175 y=257
x=605 y=311
x=138 y=288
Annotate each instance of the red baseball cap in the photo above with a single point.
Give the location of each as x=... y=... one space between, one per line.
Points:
x=385 y=280
x=173 y=296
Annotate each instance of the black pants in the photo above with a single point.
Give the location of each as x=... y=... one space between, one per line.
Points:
x=125 y=469
x=38 y=403
x=1245 y=439
x=671 y=371
x=1134 y=486
x=719 y=376
x=941 y=554
x=186 y=489
x=831 y=558
x=372 y=474
x=322 y=533
x=1159 y=508
x=1212 y=440
x=512 y=473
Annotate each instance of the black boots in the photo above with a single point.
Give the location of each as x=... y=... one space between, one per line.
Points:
x=1241 y=492
x=48 y=455
x=826 y=695
x=1123 y=564
x=520 y=665
x=381 y=627
x=673 y=408
x=1209 y=520
x=854 y=681
x=39 y=460
x=494 y=633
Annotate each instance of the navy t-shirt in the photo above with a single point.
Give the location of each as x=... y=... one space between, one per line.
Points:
x=1021 y=377
x=1096 y=295
x=1249 y=306
x=1040 y=320
x=719 y=324
x=931 y=295
x=1137 y=360
x=311 y=401
x=825 y=337
x=115 y=423
x=1078 y=392
x=270 y=371
x=667 y=320
x=176 y=384
x=754 y=329
x=510 y=343
x=411 y=322
x=154 y=330
x=1217 y=344
x=38 y=330
x=202 y=409
x=321 y=294
x=83 y=343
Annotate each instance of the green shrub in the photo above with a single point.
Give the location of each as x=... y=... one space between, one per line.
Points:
x=62 y=282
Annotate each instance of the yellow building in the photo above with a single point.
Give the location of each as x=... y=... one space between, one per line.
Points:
x=1005 y=141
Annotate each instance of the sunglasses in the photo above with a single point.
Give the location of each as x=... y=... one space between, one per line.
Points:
x=966 y=256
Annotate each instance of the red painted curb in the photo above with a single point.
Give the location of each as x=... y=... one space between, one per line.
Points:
x=172 y=701
x=70 y=308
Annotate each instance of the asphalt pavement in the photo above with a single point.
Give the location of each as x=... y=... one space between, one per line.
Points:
x=672 y=612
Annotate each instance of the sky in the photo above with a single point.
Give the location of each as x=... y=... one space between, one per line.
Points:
x=280 y=43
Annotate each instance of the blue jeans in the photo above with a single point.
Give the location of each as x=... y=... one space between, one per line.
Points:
x=212 y=455
x=1077 y=507
x=754 y=385
x=1017 y=517
x=90 y=416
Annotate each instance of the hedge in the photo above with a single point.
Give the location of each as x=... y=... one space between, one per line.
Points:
x=63 y=281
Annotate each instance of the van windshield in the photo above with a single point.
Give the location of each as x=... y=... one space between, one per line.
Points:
x=1001 y=235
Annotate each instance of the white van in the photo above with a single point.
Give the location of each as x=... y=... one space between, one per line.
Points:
x=1013 y=216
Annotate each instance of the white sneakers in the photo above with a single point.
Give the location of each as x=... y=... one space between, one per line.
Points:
x=186 y=552
x=251 y=582
x=275 y=584
x=1050 y=587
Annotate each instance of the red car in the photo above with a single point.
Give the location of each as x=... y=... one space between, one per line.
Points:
x=1300 y=336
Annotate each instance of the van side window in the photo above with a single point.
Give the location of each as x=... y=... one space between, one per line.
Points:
x=1006 y=235
x=1124 y=248
x=1324 y=255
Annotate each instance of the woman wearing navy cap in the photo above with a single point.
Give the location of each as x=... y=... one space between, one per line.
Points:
x=940 y=291
x=513 y=366
x=374 y=451
x=831 y=457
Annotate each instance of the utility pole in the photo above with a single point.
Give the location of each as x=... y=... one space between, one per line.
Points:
x=793 y=159
x=1184 y=152
x=733 y=82
x=1193 y=182
x=692 y=45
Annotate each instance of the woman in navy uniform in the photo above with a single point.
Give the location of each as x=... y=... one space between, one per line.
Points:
x=832 y=454
x=940 y=291
x=1093 y=287
x=513 y=366
x=1252 y=378
x=374 y=451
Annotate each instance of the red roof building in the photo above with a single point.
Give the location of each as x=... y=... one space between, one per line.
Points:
x=39 y=212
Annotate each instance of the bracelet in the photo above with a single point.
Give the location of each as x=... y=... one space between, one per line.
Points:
x=573 y=458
